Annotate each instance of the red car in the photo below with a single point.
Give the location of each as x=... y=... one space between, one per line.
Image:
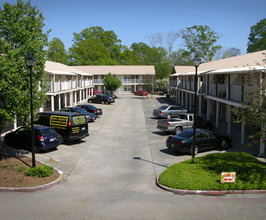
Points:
x=141 y=93
x=96 y=92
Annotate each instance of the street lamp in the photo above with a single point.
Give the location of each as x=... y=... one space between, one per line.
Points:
x=196 y=63
x=30 y=63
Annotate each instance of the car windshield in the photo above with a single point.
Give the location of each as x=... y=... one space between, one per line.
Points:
x=81 y=110
x=186 y=134
x=48 y=131
x=163 y=107
x=182 y=117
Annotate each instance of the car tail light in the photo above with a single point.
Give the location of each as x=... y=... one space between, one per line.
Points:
x=69 y=123
x=41 y=138
x=160 y=112
x=177 y=141
x=95 y=111
x=108 y=100
x=168 y=124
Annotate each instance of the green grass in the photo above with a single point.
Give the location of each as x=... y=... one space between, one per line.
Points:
x=205 y=173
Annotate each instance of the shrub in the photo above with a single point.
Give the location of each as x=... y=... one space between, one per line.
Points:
x=41 y=171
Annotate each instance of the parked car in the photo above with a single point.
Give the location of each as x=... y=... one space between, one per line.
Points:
x=103 y=99
x=184 y=121
x=205 y=140
x=141 y=92
x=70 y=126
x=109 y=94
x=44 y=137
x=92 y=109
x=168 y=111
x=96 y=92
x=89 y=116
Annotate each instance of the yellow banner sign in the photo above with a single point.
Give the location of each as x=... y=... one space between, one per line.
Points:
x=228 y=177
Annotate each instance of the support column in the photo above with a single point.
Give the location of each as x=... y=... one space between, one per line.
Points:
x=52 y=102
x=65 y=97
x=242 y=133
x=59 y=101
x=75 y=98
x=228 y=120
x=200 y=103
x=217 y=114
x=208 y=109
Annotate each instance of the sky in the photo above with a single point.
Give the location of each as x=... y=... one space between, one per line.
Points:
x=134 y=20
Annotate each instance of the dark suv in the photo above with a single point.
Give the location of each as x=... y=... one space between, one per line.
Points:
x=99 y=98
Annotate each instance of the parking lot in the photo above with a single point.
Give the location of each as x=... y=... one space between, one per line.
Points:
x=111 y=175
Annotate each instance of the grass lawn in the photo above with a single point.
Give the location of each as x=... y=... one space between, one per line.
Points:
x=205 y=173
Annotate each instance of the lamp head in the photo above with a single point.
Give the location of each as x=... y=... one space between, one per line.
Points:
x=196 y=61
x=30 y=61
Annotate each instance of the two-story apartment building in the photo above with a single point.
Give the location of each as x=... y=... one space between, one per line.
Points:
x=67 y=86
x=132 y=77
x=220 y=87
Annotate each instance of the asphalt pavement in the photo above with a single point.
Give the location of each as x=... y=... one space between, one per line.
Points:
x=111 y=175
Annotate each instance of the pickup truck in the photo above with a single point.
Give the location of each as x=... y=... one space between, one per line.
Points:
x=184 y=121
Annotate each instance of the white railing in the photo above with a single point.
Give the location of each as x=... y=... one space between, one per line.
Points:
x=222 y=90
x=235 y=93
x=212 y=89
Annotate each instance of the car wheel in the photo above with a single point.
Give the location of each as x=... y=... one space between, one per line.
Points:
x=178 y=130
x=169 y=116
x=224 y=144
x=61 y=138
x=196 y=150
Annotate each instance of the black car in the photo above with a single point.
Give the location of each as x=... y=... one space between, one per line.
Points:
x=89 y=116
x=205 y=140
x=99 y=98
x=91 y=109
x=45 y=138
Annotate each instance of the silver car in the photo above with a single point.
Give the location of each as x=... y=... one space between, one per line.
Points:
x=168 y=111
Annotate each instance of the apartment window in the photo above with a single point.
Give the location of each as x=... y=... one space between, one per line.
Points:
x=127 y=88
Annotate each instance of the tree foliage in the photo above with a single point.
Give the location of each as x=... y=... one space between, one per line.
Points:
x=231 y=52
x=201 y=40
x=257 y=37
x=56 y=51
x=95 y=46
x=21 y=35
x=253 y=112
x=111 y=83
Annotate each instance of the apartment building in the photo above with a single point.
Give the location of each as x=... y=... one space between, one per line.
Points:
x=220 y=87
x=67 y=86
x=132 y=78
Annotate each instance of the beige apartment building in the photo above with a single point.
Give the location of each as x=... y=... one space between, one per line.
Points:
x=220 y=87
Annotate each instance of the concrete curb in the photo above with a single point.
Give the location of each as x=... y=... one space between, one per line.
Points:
x=35 y=188
x=207 y=193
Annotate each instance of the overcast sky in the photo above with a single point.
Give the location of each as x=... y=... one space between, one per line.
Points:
x=134 y=20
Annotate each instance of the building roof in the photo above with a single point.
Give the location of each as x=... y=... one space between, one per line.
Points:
x=233 y=64
x=59 y=68
x=119 y=70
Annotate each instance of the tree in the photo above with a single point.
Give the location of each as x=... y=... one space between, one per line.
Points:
x=182 y=58
x=257 y=37
x=56 y=51
x=171 y=38
x=111 y=83
x=95 y=46
x=253 y=112
x=231 y=52
x=200 y=40
x=21 y=35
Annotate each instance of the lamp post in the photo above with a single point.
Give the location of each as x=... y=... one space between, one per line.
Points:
x=196 y=63
x=30 y=63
